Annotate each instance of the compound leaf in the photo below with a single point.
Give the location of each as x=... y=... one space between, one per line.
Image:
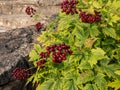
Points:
x=101 y=82
x=115 y=84
x=34 y=55
x=47 y=85
x=97 y=54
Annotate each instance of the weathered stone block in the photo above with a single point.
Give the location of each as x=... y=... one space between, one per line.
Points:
x=15 y=46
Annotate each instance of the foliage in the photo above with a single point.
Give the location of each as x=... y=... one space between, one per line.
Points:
x=95 y=62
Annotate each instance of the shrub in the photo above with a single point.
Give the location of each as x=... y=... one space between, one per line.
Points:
x=83 y=52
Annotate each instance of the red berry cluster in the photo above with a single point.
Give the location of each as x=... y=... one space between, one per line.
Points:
x=69 y=6
x=30 y=11
x=38 y=25
x=58 y=52
x=40 y=63
x=21 y=74
x=90 y=18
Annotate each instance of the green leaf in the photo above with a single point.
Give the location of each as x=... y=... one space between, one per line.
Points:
x=37 y=48
x=95 y=87
x=79 y=32
x=91 y=10
x=58 y=84
x=115 y=84
x=45 y=37
x=110 y=32
x=30 y=79
x=94 y=31
x=47 y=85
x=64 y=22
x=70 y=85
x=84 y=65
x=110 y=69
x=89 y=42
x=96 y=54
x=76 y=57
x=97 y=4
x=90 y=87
x=63 y=25
x=101 y=82
x=117 y=72
x=79 y=43
x=71 y=39
x=87 y=76
x=116 y=4
x=117 y=55
x=108 y=3
x=36 y=78
x=60 y=37
x=115 y=18
x=71 y=75
x=34 y=56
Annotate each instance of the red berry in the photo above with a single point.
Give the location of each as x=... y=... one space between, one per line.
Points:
x=63 y=55
x=89 y=18
x=21 y=74
x=69 y=6
x=40 y=63
x=47 y=48
x=59 y=48
x=67 y=51
x=38 y=25
x=59 y=53
x=55 y=60
x=64 y=58
x=60 y=59
x=42 y=55
x=42 y=67
x=30 y=11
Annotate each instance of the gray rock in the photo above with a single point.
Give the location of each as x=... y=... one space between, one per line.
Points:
x=0 y=88
x=15 y=85
x=15 y=46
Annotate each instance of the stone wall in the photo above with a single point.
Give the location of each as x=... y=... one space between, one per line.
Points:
x=15 y=46
x=12 y=12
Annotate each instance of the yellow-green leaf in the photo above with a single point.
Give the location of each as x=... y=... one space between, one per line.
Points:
x=47 y=85
x=116 y=4
x=115 y=84
x=70 y=85
x=114 y=18
x=87 y=76
x=110 y=32
x=58 y=84
x=96 y=4
x=91 y=10
x=90 y=87
x=117 y=72
x=37 y=47
x=94 y=31
x=34 y=55
x=101 y=82
x=97 y=54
